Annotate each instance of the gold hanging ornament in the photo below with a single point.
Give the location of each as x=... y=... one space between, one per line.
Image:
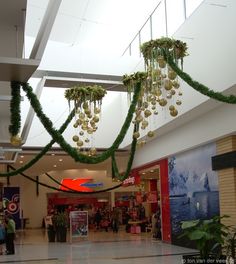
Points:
x=16 y=140
x=87 y=102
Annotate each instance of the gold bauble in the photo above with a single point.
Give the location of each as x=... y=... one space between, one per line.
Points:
x=16 y=140
x=147 y=113
x=80 y=143
x=174 y=112
x=89 y=116
x=176 y=84
x=154 y=107
x=87 y=111
x=84 y=127
x=158 y=92
x=143 y=127
x=169 y=96
x=81 y=115
x=163 y=102
x=96 y=119
x=75 y=125
x=178 y=102
x=139 y=118
x=93 y=151
x=145 y=104
x=86 y=140
x=141 y=143
x=162 y=64
x=153 y=102
x=155 y=113
x=149 y=98
x=90 y=130
x=81 y=133
x=97 y=110
x=180 y=93
x=79 y=122
x=171 y=107
x=150 y=134
x=75 y=138
x=145 y=123
x=168 y=84
x=172 y=75
x=95 y=129
x=172 y=92
x=136 y=134
x=77 y=110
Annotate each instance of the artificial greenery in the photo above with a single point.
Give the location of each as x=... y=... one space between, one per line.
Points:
x=14 y=127
x=207 y=234
x=230 y=99
x=176 y=48
x=80 y=94
x=65 y=146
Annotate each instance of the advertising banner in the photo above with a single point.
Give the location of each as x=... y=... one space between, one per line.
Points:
x=11 y=203
x=78 y=224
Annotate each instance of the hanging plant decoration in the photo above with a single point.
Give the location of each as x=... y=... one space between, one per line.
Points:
x=162 y=80
x=160 y=84
x=87 y=102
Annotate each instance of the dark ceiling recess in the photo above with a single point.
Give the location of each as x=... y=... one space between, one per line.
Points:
x=224 y=161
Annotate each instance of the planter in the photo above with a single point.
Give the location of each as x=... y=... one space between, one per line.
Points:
x=61 y=233
x=197 y=259
x=51 y=234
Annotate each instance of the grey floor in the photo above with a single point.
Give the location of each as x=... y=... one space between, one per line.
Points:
x=98 y=248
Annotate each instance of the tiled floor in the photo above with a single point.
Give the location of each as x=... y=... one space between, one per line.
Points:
x=99 y=247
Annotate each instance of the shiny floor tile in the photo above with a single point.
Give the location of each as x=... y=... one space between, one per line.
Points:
x=100 y=247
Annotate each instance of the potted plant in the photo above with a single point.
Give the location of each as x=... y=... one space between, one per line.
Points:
x=208 y=236
x=230 y=245
x=60 y=221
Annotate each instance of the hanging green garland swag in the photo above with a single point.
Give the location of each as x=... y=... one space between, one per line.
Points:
x=15 y=125
x=230 y=99
x=65 y=146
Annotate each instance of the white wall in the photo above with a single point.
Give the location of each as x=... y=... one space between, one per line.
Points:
x=208 y=127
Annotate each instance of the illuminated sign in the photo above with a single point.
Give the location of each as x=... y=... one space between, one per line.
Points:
x=82 y=185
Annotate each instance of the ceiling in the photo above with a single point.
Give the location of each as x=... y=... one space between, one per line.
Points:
x=89 y=36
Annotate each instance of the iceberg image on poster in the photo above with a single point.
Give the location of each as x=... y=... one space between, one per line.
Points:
x=193 y=186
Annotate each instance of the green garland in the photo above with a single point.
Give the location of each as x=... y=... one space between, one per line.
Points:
x=230 y=99
x=14 y=127
x=40 y=154
x=59 y=138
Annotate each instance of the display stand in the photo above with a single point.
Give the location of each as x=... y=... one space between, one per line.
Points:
x=78 y=224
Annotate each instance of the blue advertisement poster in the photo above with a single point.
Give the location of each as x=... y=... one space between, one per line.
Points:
x=11 y=203
x=193 y=187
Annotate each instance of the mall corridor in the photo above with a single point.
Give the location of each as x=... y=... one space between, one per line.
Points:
x=99 y=248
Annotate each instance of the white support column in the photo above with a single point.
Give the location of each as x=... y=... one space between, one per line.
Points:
x=45 y=29
x=31 y=113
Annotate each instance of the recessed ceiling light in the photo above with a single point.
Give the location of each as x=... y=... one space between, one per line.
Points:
x=53 y=154
x=22 y=156
x=151 y=170
x=55 y=166
x=60 y=159
x=143 y=173
x=21 y=161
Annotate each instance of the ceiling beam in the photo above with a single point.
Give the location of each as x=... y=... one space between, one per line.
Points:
x=45 y=29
